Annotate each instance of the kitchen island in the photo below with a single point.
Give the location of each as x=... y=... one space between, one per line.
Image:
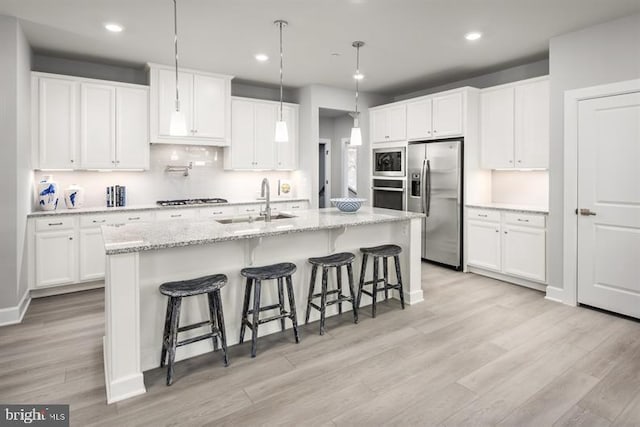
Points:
x=143 y=255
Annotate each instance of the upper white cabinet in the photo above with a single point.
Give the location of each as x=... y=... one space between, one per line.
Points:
x=253 y=126
x=514 y=125
x=437 y=117
x=205 y=101
x=389 y=123
x=89 y=124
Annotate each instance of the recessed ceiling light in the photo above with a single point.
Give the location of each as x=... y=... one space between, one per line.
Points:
x=358 y=76
x=262 y=57
x=114 y=28
x=474 y=35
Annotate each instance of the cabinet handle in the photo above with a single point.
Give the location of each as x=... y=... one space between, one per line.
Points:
x=176 y=216
x=250 y=210
x=70 y=238
x=113 y=161
x=95 y=221
x=506 y=232
x=72 y=160
x=435 y=131
x=135 y=218
x=482 y=215
x=118 y=161
x=519 y=161
x=51 y=224
x=217 y=212
x=386 y=136
x=510 y=161
x=295 y=207
x=523 y=220
x=497 y=231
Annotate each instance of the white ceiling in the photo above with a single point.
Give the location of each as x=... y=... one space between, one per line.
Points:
x=410 y=44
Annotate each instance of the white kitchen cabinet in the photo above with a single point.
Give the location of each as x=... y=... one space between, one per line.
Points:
x=170 y=214
x=264 y=125
x=524 y=252
x=55 y=127
x=297 y=206
x=97 y=126
x=484 y=244
x=91 y=254
x=132 y=128
x=419 y=120
x=514 y=125
x=55 y=253
x=287 y=152
x=389 y=123
x=447 y=115
x=205 y=101
x=218 y=212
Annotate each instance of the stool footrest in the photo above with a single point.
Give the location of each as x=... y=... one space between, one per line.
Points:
x=194 y=326
x=389 y=286
x=318 y=295
x=198 y=338
x=341 y=298
x=284 y=315
x=265 y=308
x=370 y=282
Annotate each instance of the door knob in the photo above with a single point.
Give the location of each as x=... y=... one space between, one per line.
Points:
x=586 y=212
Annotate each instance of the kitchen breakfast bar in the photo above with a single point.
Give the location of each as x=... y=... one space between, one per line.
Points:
x=142 y=256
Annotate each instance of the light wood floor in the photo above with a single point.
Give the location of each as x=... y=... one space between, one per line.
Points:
x=476 y=352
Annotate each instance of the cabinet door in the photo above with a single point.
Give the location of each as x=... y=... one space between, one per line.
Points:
x=396 y=123
x=97 y=126
x=287 y=152
x=91 y=255
x=524 y=252
x=167 y=100
x=447 y=116
x=532 y=125
x=55 y=258
x=496 y=128
x=132 y=128
x=264 y=131
x=483 y=244
x=419 y=123
x=242 y=134
x=378 y=125
x=209 y=107
x=57 y=123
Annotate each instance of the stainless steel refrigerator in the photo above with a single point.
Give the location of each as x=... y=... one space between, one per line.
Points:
x=435 y=188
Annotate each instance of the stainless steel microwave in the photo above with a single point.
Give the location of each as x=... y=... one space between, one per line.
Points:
x=389 y=161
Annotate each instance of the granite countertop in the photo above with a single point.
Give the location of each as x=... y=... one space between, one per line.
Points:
x=147 y=236
x=132 y=208
x=510 y=207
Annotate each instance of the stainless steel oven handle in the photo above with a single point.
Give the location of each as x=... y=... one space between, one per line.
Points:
x=388 y=189
x=428 y=189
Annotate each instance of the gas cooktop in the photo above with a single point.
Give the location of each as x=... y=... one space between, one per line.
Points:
x=184 y=202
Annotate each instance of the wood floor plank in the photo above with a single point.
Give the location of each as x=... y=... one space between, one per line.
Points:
x=630 y=417
x=577 y=416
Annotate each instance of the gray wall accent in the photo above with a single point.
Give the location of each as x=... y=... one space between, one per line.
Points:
x=84 y=68
x=508 y=75
x=15 y=58
x=604 y=53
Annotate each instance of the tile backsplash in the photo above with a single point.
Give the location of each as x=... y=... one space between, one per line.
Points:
x=206 y=179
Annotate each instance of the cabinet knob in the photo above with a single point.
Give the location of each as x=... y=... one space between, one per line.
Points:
x=435 y=131
x=510 y=161
x=118 y=161
x=506 y=232
x=113 y=161
x=70 y=238
x=519 y=161
x=497 y=231
x=386 y=136
x=71 y=160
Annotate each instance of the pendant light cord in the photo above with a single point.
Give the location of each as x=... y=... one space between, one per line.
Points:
x=281 y=60
x=175 y=43
x=357 y=76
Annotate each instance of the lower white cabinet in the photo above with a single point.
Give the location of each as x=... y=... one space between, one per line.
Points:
x=91 y=254
x=55 y=253
x=510 y=243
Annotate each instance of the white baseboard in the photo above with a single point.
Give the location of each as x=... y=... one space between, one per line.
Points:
x=509 y=279
x=14 y=315
x=66 y=289
x=555 y=294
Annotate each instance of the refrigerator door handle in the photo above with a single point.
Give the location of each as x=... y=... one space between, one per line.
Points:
x=423 y=178
x=428 y=188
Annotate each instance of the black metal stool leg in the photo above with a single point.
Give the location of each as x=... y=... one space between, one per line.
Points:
x=354 y=302
x=173 y=338
x=399 y=277
x=256 y=316
x=312 y=285
x=363 y=271
x=374 y=289
x=292 y=308
x=385 y=269
x=245 y=308
x=323 y=299
x=213 y=317
x=217 y=300
x=339 y=277
x=281 y=300
x=165 y=333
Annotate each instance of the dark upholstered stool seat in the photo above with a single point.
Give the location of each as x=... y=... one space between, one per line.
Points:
x=191 y=287
x=269 y=272
x=382 y=250
x=333 y=260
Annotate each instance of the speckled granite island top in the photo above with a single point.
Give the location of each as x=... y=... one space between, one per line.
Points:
x=184 y=232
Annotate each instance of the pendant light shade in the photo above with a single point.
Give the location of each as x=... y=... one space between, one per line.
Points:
x=282 y=133
x=178 y=122
x=356 y=134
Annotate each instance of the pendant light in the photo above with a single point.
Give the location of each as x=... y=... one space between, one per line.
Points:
x=282 y=134
x=356 y=134
x=178 y=123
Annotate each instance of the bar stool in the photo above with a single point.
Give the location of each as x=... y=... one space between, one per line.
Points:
x=377 y=252
x=209 y=285
x=336 y=261
x=255 y=276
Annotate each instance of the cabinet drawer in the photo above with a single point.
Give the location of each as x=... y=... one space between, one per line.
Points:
x=135 y=217
x=249 y=209
x=217 y=211
x=531 y=220
x=483 y=215
x=48 y=224
x=176 y=214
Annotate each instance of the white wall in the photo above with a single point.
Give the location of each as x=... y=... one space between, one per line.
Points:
x=336 y=128
x=206 y=180
x=530 y=188
x=600 y=54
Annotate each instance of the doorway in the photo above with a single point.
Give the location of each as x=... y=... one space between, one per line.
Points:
x=324 y=173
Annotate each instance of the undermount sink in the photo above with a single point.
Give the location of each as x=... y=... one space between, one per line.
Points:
x=250 y=219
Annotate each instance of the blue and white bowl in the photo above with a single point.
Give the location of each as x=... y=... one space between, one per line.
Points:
x=348 y=204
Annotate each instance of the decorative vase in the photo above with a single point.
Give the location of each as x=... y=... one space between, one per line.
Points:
x=48 y=193
x=74 y=196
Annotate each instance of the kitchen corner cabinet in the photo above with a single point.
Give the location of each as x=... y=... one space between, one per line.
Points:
x=253 y=124
x=205 y=101
x=435 y=117
x=514 y=126
x=89 y=124
x=388 y=123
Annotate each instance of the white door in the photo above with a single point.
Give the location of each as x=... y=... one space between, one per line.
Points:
x=419 y=120
x=496 y=128
x=57 y=123
x=484 y=244
x=265 y=133
x=447 y=115
x=97 y=126
x=524 y=252
x=379 y=125
x=91 y=254
x=55 y=258
x=287 y=152
x=132 y=128
x=532 y=125
x=209 y=107
x=609 y=187
x=396 y=123
x=167 y=99
x=242 y=134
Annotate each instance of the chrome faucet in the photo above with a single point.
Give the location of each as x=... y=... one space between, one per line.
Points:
x=265 y=192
